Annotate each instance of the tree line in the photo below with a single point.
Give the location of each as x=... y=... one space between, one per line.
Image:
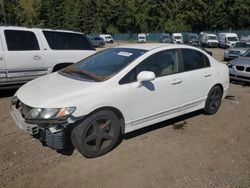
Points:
x=127 y=16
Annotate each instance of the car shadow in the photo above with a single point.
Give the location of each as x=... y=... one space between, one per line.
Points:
x=178 y=123
x=7 y=93
x=242 y=84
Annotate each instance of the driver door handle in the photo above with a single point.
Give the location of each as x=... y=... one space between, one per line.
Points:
x=207 y=74
x=36 y=57
x=175 y=82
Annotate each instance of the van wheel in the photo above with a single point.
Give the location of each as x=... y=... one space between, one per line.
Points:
x=213 y=101
x=97 y=134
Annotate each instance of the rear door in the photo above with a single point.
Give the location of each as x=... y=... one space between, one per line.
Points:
x=23 y=56
x=2 y=64
x=197 y=78
x=66 y=47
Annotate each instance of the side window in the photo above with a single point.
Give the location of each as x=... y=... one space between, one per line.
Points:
x=193 y=59
x=67 y=41
x=129 y=78
x=21 y=40
x=162 y=63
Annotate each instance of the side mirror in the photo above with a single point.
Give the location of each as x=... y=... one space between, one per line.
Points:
x=145 y=76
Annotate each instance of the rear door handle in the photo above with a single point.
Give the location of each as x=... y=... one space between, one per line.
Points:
x=207 y=74
x=36 y=57
x=175 y=82
x=1 y=58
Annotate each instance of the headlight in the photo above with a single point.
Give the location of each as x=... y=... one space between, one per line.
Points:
x=229 y=65
x=50 y=113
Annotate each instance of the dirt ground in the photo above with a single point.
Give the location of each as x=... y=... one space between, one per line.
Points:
x=194 y=150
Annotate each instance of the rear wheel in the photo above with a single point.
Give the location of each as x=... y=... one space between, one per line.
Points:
x=96 y=135
x=213 y=101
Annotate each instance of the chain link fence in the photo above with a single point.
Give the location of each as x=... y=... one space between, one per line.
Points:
x=155 y=37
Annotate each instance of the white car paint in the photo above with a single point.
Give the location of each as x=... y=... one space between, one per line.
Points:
x=141 y=38
x=224 y=39
x=209 y=40
x=22 y=66
x=171 y=96
x=177 y=38
x=107 y=38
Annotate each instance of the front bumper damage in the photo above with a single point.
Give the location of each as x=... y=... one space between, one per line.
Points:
x=55 y=135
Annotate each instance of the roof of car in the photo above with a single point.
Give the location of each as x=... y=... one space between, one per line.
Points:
x=34 y=28
x=150 y=46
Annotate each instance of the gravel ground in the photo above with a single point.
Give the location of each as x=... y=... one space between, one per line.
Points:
x=194 y=150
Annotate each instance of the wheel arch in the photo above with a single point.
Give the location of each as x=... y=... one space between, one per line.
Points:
x=116 y=111
x=221 y=87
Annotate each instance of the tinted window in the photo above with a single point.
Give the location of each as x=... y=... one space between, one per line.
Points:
x=162 y=64
x=193 y=59
x=21 y=40
x=67 y=41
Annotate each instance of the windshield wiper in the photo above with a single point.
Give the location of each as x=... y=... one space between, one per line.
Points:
x=73 y=70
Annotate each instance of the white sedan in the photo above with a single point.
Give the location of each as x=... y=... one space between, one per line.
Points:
x=116 y=91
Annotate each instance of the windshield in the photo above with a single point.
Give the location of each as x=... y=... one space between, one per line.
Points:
x=141 y=37
x=193 y=36
x=241 y=45
x=178 y=37
x=166 y=37
x=103 y=65
x=211 y=37
x=233 y=39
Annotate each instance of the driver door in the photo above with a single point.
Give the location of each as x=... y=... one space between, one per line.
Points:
x=156 y=99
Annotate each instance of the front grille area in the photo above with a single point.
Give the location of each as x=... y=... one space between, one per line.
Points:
x=248 y=69
x=240 y=68
x=243 y=77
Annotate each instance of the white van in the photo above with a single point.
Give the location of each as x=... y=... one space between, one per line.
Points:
x=209 y=40
x=26 y=53
x=177 y=38
x=141 y=38
x=227 y=40
x=107 y=38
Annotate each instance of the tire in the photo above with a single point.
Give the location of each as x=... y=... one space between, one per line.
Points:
x=213 y=100
x=97 y=134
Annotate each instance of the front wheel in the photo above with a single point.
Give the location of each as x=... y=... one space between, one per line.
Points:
x=97 y=134
x=213 y=101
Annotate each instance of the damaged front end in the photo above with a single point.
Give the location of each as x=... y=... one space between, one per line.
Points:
x=50 y=125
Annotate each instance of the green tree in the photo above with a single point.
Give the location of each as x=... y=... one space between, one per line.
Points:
x=28 y=12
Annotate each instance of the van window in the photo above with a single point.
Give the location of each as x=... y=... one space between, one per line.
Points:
x=193 y=59
x=233 y=39
x=67 y=41
x=21 y=40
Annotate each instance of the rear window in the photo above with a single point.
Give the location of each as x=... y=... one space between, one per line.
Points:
x=193 y=59
x=67 y=41
x=21 y=40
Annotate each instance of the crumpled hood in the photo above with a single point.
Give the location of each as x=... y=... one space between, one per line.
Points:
x=53 y=91
x=241 y=61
